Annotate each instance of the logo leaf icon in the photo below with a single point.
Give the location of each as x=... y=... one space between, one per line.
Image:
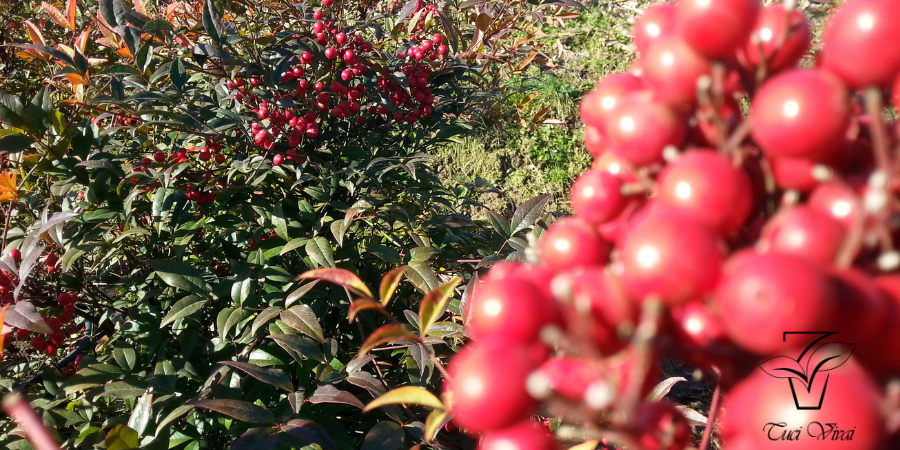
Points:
x=829 y=356
x=783 y=367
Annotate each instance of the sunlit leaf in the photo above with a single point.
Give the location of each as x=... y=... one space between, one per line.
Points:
x=435 y=303
x=340 y=277
x=385 y=334
x=407 y=395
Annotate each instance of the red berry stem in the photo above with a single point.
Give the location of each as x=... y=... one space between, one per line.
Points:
x=711 y=417
x=17 y=406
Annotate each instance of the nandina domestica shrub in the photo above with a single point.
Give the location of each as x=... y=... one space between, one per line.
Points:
x=760 y=249
x=169 y=169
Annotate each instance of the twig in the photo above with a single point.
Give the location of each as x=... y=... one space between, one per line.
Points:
x=710 y=420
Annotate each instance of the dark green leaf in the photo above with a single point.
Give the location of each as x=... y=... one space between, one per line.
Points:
x=527 y=213
x=331 y=394
x=384 y=436
x=238 y=409
x=14 y=143
x=183 y=308
x=275 y=377
x=180 y=275
x=299 y=345
x=302 y=319
x=319 y=249
x=309 y=432
x=178 y=74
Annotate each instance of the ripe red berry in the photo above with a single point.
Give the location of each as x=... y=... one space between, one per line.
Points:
x=716 y=28
x=21 y=333
x=485 y=398
x=596 y=197
x=805 y=232
x=330 y=53
x=761 y=406
x=510 y=310
x=656 y=22
x=526 y=435
x=640 y=129
x=671 y=68
x=610 y=91
x=855 y=43
x=572 y=242
x=15 y=254
x=706 y=185
x=780 y=38
x=671 y=256
x=38 y=343
x=159 y=156
x=762 y=295
x=660 y=425
x=800 y=113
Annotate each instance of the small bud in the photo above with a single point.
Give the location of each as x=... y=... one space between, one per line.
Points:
x=599 y=395
x=538 y=385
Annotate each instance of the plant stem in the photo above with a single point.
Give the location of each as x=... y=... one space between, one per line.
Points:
x=711 y=418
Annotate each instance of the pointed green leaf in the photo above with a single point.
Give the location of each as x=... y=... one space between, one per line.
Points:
x=183 y=308
x=435 y=303
x=180 y=275
x=407 y=395
x=237 y=409
x=319 y=249
x=302 y=319
x=275 y=377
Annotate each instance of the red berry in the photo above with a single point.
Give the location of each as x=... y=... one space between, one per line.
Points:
x=640 y=129
x=706 y=185
x=159 y=156
x=38 y=343
x=15 y=254
x=781 y=38
x=526 y=435
x=672 y=256
x=611 y=309
x=661 y=425
x=571 y=242
x=805 y=232
x=856 y=43
x=800 y=113
x=21 y=333
x=656 y=23
x=510 y=310
x=596 y=197
x=671 y=68
x=610 y=91
x=762 y=295
x=485 y=398
x=716 y=28
x=330 y=53
x=761 y=408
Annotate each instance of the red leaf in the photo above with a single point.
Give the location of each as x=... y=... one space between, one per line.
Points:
x=340 y=277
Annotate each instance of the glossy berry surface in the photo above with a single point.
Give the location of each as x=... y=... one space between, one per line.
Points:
x=572 y=242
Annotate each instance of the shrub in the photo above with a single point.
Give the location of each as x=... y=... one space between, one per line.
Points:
x=169 y=173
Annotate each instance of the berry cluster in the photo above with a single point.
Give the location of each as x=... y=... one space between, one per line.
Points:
x=60 y=319
x=704 y=235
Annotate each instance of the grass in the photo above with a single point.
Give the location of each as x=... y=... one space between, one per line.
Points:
x=524 y=161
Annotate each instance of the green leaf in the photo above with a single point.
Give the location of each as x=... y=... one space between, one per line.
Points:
x=91 y=376
x=124 y=355
x=120 y=389
x=180 y=275
x=121 y=437
x=340 y=277
x=421 y=275
x=527 y=213
x=14 y=143
x=299 y=345
x=384 y=436
x=302 y=319
x=385 y=334
x=293 y=244
x=389 y=283
x=157 y=25
x=319 y=249
x=501 y=225
x=435 y=303
x=275 y=377
x=178 y=74
x=299 y=293
x=212 y=23
x=183 y=308
x=237 y=409
x=228 y=318
x=279 y=221
x=264 y=317
x=407 y=395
